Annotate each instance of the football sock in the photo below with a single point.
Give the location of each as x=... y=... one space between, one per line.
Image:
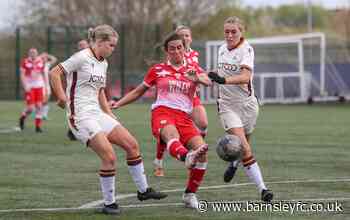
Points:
x=38 y=122
x=158 y=162
x=195 y=178
x=176 y=149
x=45 y=110
x=137 y=172
x=107 y=182
x=252 y=170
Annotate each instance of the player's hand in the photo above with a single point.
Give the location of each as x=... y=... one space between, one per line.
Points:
x=192 y=75
x=62 y=103
x=216 y=78
x=113 y=104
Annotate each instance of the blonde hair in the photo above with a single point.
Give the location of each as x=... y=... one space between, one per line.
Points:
x=235 y=20
x=103 y=32
x=182 y=27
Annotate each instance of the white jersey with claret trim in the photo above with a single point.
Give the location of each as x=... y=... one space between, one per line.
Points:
x=230 y=63
x=86 y=76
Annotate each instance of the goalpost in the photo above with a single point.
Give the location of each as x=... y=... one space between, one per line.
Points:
x=288 y=69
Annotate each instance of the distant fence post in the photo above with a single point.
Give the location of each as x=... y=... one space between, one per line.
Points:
x=49 y=40
x=158 y=39
x=18 y=60
x=122 y=59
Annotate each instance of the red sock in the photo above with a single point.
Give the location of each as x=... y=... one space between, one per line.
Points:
x=160 y=150
x=196 y=175
x=176 y=149
x=38 y=122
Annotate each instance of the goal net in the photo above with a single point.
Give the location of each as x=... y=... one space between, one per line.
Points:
x=288 y=69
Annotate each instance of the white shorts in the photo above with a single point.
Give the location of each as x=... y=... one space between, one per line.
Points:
x=239 y=115
x=86 y=129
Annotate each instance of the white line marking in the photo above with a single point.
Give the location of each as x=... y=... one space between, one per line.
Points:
x=165 y=204
x=99 y=202
x=9 y=130
x=95 y=204
x=125 y=196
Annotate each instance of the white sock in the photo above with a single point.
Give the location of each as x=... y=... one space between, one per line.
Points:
x=137 y=173
x=108 y=189
x=45 y=110
x=158 y=163
x=254 y=174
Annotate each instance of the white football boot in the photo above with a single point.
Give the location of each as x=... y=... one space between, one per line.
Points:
x=190 y=200
x=193 y=156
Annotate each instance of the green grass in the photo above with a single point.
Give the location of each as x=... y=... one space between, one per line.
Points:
x=291 y=142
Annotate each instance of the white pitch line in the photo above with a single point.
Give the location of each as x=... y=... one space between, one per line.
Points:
x=125 y=196
x=9 y=130
x=99 y=202
x=166 y=205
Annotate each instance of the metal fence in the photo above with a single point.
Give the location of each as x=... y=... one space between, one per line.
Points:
x=136 y=47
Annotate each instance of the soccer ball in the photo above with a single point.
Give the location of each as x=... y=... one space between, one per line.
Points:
x=229 y=148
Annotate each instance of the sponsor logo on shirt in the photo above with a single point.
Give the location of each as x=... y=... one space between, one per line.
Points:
x=228 y=66
x=176 y=86
x=96 y=78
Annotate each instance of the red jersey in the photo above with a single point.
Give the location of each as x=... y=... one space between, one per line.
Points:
x=174 y=89
x=192 y=57
x=33 y=71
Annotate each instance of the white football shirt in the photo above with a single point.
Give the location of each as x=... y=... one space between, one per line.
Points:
x=230 y=63
x=86 y=76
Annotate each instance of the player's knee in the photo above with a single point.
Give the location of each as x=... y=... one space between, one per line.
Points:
x=110 y=159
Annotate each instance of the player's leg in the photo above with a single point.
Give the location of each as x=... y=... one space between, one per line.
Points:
x=28 y=109
x=230 y=119
x=38 y=99
x=121 y=137
x=158 y=161
x=90 y=133
x=199 y=116
x=46 y=106
x=251 y=167
x=103 y=148
x=164 y=129
x=196 y=171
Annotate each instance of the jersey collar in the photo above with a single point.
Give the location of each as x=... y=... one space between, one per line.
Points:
x=241 y=40
x=93 y=53
x=179 y=67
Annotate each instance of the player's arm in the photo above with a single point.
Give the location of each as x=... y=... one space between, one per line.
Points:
x=102 y=98
x=51 y=59
x=23 y=80
x=56 y=83
x=204 y=79
x=242 y=78
x=198 y=76
x=131 y=96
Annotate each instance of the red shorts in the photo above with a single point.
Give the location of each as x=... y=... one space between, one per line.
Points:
x=36 y=95
x=162 y=116
x=28 y=98
x=196 y=101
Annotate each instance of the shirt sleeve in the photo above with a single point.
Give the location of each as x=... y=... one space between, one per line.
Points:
x=248 y=58
x=73 y=63
x=150 y=78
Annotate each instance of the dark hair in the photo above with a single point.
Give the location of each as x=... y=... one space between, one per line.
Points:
x=170 y=37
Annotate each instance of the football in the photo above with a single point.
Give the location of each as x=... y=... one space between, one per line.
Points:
x=229 y=148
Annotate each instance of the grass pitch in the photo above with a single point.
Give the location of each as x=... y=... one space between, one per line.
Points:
x=303 y=152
